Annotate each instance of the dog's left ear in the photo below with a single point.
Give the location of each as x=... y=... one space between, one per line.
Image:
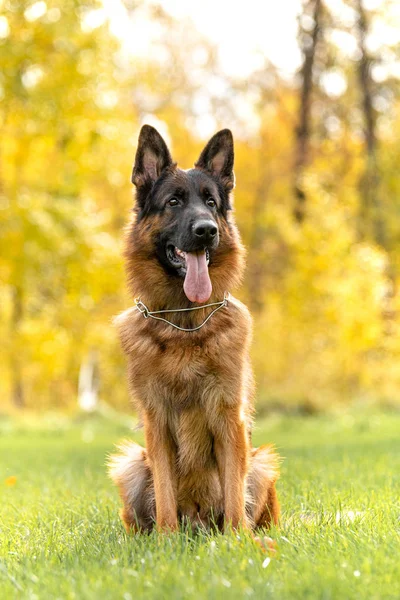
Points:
x=217 y=158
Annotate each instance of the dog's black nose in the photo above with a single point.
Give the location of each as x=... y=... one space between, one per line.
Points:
x=205 y=230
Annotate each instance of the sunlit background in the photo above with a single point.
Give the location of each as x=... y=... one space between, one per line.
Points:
x=310 y=90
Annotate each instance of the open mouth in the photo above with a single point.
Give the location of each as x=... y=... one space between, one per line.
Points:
x=178 y=257
x=194 y=267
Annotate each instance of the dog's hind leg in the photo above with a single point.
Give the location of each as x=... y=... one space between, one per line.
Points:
x=131 y=473
x=262 y=504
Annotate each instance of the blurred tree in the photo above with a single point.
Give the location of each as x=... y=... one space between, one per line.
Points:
x=56 y=260
x=71 y=104
x=370 y=210
x=308 y=37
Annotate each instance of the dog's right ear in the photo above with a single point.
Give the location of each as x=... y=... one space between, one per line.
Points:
x=152 y=157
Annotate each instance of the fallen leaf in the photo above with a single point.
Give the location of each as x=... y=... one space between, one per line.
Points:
x=10 y=481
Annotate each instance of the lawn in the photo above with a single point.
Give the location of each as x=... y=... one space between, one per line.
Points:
x=60 y=534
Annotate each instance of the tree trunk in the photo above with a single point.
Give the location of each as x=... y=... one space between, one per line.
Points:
x=16 y=369
x=88 y=389
x=371 y=220
x=309 y=46
x=370 y=210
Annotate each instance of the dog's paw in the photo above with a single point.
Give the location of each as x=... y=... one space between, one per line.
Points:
x=266 y=544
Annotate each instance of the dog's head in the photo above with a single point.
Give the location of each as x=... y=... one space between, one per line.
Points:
x=188 y=214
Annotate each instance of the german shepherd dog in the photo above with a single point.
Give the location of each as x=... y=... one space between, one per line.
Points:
x=189 y=376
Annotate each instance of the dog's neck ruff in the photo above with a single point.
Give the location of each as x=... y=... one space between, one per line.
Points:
x=142 y=308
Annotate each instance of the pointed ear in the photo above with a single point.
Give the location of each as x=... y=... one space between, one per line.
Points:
x=217 y=158
x=152 y=157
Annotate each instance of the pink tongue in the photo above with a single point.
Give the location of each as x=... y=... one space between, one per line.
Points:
x=197 y=284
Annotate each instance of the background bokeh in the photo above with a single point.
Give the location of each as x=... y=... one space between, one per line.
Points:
x=311 y=92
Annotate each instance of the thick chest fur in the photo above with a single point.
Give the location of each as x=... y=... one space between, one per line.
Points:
x=180 y=369
x=190 y=382
x=181 y=377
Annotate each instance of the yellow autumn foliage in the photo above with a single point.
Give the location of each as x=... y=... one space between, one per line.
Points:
x=324 y=298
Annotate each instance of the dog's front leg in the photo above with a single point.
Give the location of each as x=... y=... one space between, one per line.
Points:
x=162 y=457
x=232 y=453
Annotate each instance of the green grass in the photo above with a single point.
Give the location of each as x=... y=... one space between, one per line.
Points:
x=60 y=535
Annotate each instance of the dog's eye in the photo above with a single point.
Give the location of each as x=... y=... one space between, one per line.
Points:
x=173 y=202
x=211 y=202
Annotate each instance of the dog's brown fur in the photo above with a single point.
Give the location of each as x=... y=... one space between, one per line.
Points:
x=195 y=394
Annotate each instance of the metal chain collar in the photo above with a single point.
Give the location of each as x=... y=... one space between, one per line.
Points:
x=142 y=308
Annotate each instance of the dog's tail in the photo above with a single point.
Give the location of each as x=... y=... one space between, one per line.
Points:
x=121 y=467
x=261 y=499
x=268 y=461
x=130 y=471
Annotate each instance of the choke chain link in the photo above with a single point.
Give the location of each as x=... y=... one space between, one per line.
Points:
x=142 y=308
